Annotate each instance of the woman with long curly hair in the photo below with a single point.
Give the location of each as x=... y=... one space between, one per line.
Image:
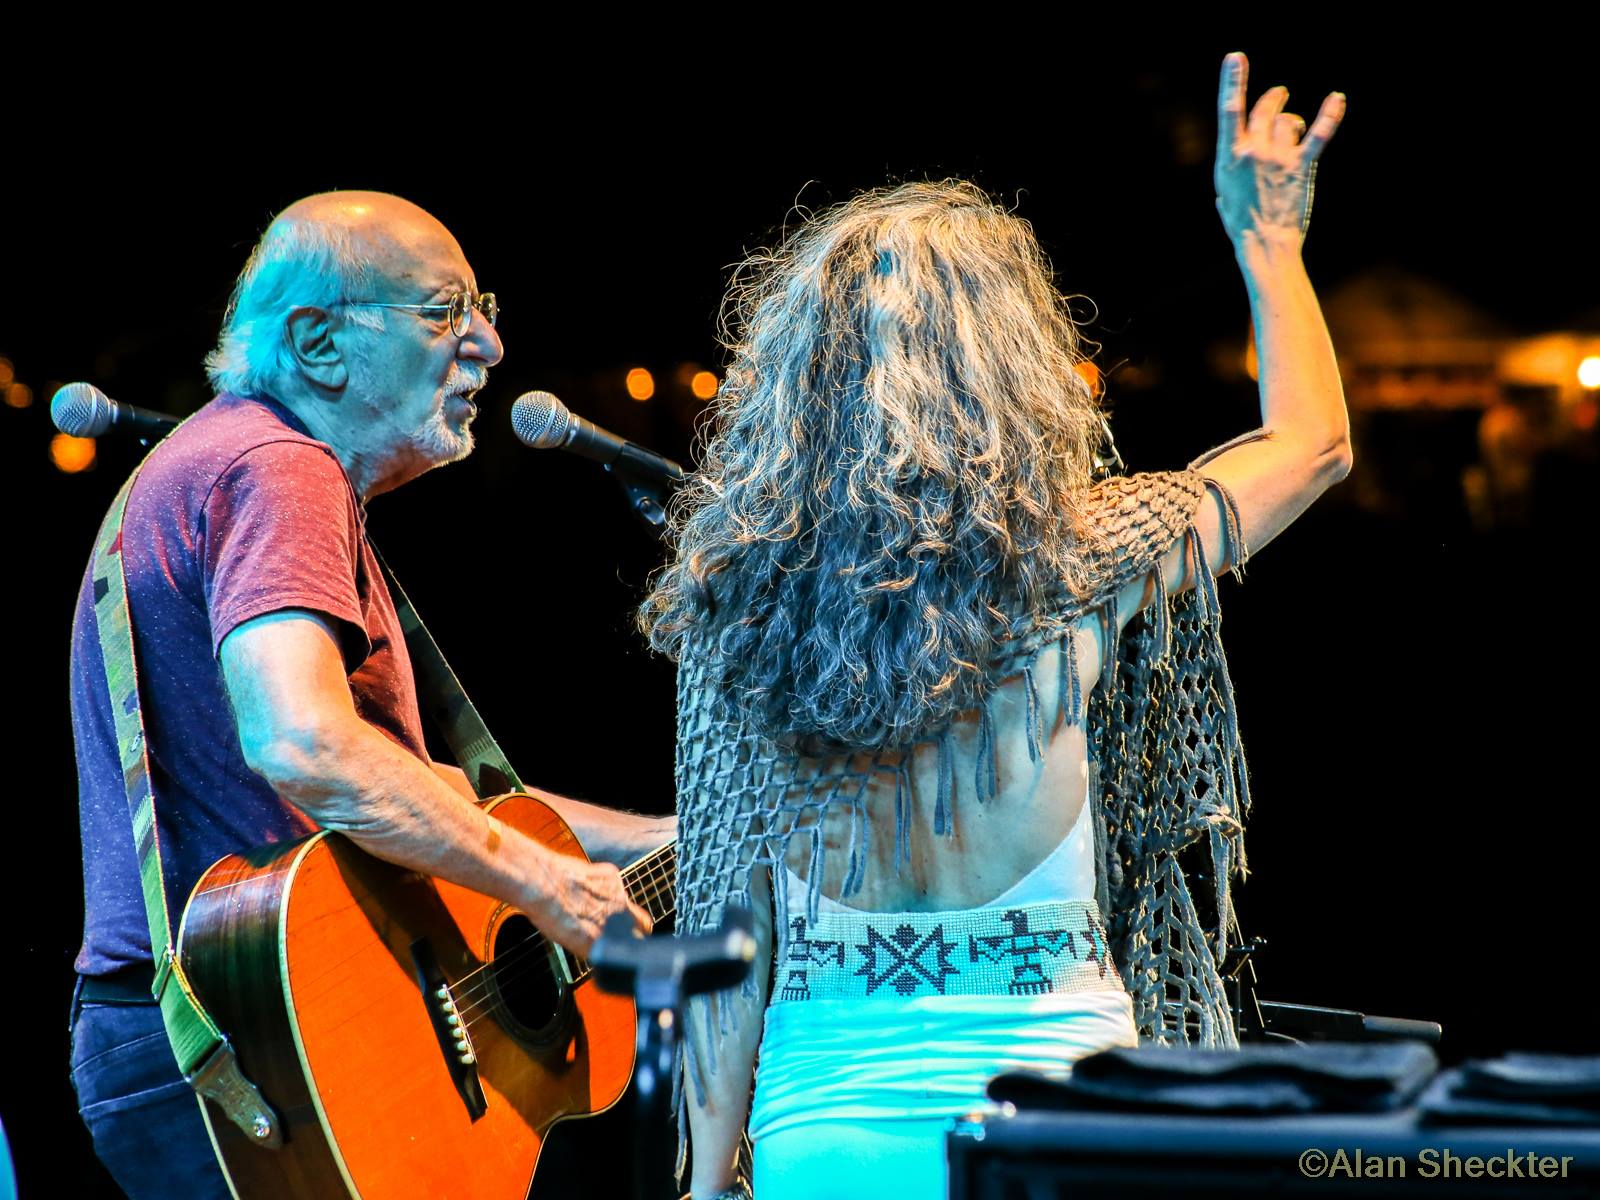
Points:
x=947 y=708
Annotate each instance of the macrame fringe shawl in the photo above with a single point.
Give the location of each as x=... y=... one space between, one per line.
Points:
x=1166 y=770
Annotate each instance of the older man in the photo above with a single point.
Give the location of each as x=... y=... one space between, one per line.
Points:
x=276 y=691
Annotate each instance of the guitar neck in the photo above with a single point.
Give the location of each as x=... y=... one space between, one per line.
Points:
x=651 y=882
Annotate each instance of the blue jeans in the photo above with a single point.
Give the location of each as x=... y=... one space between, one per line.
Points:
x=143 y=1116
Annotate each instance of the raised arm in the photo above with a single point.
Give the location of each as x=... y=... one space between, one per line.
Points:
x=1265 y=167
x=299 y=730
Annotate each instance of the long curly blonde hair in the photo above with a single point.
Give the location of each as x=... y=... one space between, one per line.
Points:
x=897 y=462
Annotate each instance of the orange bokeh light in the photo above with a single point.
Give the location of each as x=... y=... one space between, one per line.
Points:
x=703 y=385
x=19 y=395
x=641 y=384
x=1091 y=376
x=71 y=454
x=7 y=372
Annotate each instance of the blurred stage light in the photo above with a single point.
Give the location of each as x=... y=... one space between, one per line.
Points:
x=1589 y=372
x=641 y=384
x=71 y=454
x=7 y=372
x=703 y=385
x=1091 y=375
x=19 y=395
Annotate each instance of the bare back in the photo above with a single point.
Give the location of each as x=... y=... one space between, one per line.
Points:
x=995 y=843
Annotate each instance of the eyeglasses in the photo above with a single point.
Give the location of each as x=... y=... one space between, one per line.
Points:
x=458 y=309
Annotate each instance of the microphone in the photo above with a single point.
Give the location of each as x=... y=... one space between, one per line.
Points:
x=544 y=423
x=83 y=410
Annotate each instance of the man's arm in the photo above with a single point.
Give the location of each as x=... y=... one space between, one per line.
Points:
x=607 y=834
x=456 y=778
x=611 y=834
x=300 y=731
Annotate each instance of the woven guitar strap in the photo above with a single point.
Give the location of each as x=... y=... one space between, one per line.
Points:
x=203 y=1052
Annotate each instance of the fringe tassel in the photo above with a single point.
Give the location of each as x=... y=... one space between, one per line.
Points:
x=947 y=781
x=987 y=781
x=854 y=865
x=1162 y=616
x=1071 y=685
x=681 y=1160
x=1205 y=586
x=780 y=900
x=1234 y=776
x=1234 y=549
x=1032 y=689
x=1221 y=867
x=1102 y=840
x=814 y=873
x=1108 y=627
x=710 y=1044
x=902 y=811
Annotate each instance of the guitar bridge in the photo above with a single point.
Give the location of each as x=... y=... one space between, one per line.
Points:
x=455 y=1042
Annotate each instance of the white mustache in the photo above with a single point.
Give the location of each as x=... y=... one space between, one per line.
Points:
x=465 y=377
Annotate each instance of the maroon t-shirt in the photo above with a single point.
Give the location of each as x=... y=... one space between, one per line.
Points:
x=237 y=514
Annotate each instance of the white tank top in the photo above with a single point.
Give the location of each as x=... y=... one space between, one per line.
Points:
x=917 y=1057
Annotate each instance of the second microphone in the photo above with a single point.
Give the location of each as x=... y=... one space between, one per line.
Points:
x=544 y=423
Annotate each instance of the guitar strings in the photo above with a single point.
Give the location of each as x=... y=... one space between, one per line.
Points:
x=473 y=993
x=504 y=982
x=504 y=966
x=518 y=961
x=651 y=876
x=507 y=969
x=650 y=892
x=650 y=871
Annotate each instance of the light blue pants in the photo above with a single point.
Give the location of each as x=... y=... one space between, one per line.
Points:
x=852 y=1097
x=863 y=1160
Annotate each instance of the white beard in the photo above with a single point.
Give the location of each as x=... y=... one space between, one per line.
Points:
x=439 y=443
x=436 y=440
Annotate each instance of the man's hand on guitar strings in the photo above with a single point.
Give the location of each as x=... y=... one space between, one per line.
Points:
x=574 y=899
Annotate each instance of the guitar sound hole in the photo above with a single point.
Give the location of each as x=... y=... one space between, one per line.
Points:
x=525 y=977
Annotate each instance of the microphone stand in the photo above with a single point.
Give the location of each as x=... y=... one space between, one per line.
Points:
x=661 y=973
x=1275 y=1021
x=647 y=480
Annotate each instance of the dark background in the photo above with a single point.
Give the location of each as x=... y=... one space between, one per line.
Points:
x=1414 y=696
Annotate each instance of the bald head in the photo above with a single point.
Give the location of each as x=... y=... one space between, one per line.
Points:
x=390 y=233
x=362 y=210
x=322 y=249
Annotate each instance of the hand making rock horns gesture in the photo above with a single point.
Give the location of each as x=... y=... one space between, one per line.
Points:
x=1266 y=165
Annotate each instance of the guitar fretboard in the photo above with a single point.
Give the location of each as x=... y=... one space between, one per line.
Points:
x=651 y=881
x=651 y=884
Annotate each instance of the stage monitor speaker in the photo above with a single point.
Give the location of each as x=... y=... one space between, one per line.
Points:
x=1090 y=1156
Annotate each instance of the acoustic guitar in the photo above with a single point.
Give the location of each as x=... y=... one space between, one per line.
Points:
x=417 y=1039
